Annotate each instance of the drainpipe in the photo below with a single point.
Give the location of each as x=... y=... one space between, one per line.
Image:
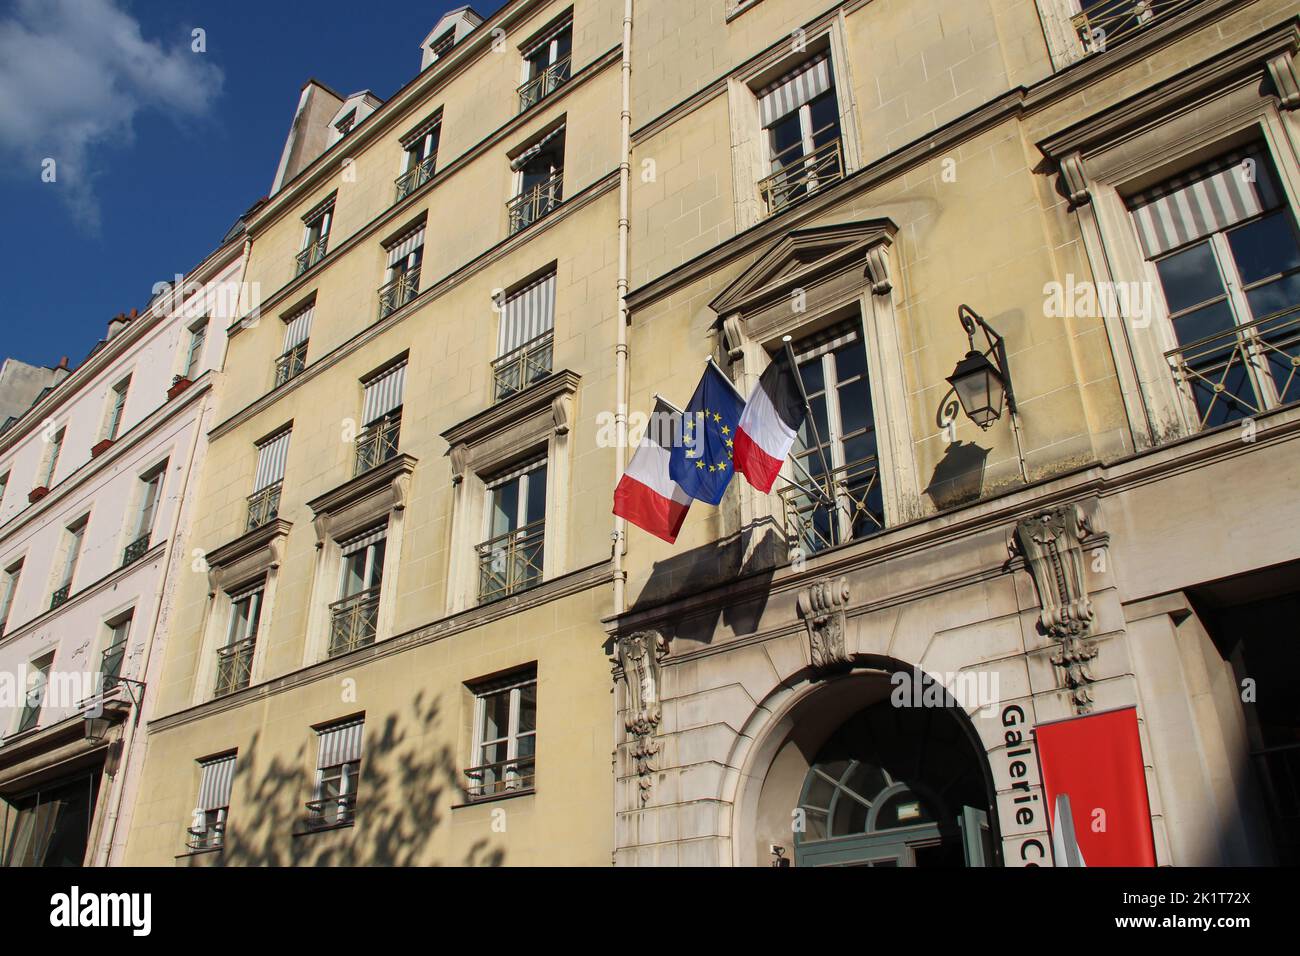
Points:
x=620 y=347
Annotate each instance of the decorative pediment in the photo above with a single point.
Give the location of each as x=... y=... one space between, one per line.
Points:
x=806 y=258
x=249 y=555
x=371 y=496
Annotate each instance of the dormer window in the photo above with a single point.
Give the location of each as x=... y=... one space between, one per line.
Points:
x=547 y=58
x=344 y=126
x=442 y=46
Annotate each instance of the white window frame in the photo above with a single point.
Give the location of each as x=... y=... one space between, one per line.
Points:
x=76 y=533
x=368 y=572
x=482 y=691
x=235 y=633
x=117 y=408
x=198 y=345
x=12 y=579
x=52 y=457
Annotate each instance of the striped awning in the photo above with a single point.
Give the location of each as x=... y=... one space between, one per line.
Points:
x=793 y=90
x=514 y=473
x=271 y=457
x=244 y=593
x=404 y=246
x=1211 y=197
x=214 y=788
x=383 y=394
x=340 y=744
x=527 y=314
x=363 y=540
x=520 y=161
x=297 y=328
x=827 y=340
x=547 y=35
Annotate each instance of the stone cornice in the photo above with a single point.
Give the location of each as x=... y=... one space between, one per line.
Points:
x=247 y=544
x=531 y=401
x=368 y=484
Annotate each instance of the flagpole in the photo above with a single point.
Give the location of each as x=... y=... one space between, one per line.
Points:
x=820 y=492
x=812 y=419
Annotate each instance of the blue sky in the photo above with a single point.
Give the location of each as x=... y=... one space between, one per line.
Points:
x=157 y=148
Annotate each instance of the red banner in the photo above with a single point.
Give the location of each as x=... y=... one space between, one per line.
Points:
x=1096 y=790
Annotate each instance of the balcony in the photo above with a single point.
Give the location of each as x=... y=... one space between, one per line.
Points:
x=400 y=291
x=234 y=666
x=377 y=444
x=511 y=562
x=60 y=596
x=331 y=811
x=802 y=175
x=1241 y=372
x=291 y=364
x=264 y=506
x=415 y=177
x=544 y=84
x=135 y=550
x=313 y=254
x=354 y=622
x=847 y=507
x=495 y=779
x=532 y=204
x=211 y=833
x=1104 y=24
x=110 y=666
x=515 y=371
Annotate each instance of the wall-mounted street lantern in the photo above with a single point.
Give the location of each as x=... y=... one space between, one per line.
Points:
x=97 y=722
x=982 y=380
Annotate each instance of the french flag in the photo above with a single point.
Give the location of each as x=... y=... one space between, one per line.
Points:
x=646 y=495
x=768 y=425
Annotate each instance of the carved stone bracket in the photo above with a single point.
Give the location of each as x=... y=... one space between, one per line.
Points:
x=638 y=656
x=1282 y=68
x=822 y=605
x=1075 y=180
x=877 y=271
x=1051 y=543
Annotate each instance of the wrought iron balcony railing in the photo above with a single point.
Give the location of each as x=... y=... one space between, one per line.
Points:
x=313 y=254
x=110 y=666
x=330 y=811
x=264 y=506
x=135 y=550
x=515 y=371
x=354 y=621
x=511 y=562
x=415 y=177
x=400 y=291
x=60 y=596
x=235 y=666
x=532 y=204
x=801 y=175
x=1243 y=371
x=544 y=84
x=1104 y=24
x=211 y=834
x=506 y=776
x=291 y=364
x=378 y=443
x=826 y=512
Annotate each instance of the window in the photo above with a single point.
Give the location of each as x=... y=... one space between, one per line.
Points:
x=194 y=355
x=268 y=482
x=381 y=418
x=38 y=679
x=4 y=486
x=354 y=617
x=114 y=424
x=235 y=657
x=75 y=536
x=1224 y=247
x=344 y=125
x=524 y=337
x=110 y=665
x=420 y=148
x=52 y=458
x=510 y=559
x=150 y=492
x=316 y=235
x=338 y=771
x=443 y=45
x=297 y=333
x=216 y=777
x=505 y=736
x=539 y=179
x=13 y=574
x=835 y=494
x=546 y=63
x=402 y=281
x=801 y=119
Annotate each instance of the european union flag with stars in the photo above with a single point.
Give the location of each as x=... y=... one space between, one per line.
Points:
x=701 y=462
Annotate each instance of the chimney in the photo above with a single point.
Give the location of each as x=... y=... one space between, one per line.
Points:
x=117 y=324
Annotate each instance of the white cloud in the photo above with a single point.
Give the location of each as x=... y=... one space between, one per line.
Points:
x=73 y=76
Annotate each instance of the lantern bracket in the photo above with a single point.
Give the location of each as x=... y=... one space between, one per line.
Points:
x=996 y=348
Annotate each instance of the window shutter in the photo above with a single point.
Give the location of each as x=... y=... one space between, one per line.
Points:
x=793 y=90
x=271 y=457
x=340 y=744
x=527 y=314
x=406 y=245
x=1211 y=197
x=214 y=789
x=383 y=394
x=298 y=328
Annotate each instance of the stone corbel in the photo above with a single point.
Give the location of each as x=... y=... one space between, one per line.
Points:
x=459 y=463
x=1286 y=81
x=401 y=488
x=734 y=337
x=1074 y=179
x=322 y=525
x=822 y=605
x=1051 y=542
x=639 y=655
x=562 y=412
x=877 y=271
